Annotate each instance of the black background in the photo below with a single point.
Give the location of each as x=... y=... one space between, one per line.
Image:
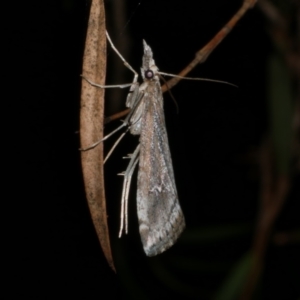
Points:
x=55 y=249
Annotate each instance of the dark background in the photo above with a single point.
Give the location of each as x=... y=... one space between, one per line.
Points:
x=212 y=140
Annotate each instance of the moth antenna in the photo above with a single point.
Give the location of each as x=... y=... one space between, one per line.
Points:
x=169 y=91
x=195 y=78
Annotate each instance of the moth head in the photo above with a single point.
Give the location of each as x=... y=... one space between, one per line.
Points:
x=149 y=69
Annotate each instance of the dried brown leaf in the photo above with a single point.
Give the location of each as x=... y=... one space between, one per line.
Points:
x=91 y=123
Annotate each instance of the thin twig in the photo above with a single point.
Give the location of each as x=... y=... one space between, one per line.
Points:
x=202 y=54
x=117 y=116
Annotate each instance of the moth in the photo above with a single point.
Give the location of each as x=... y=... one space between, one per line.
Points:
x=161 y=220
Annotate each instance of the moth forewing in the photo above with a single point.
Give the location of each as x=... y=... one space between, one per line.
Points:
x=161 y=220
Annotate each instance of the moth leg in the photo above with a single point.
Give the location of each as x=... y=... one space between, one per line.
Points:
x=135 y=99
x=105 y=138
x=126 y=122
x=112 y=86
x=114 y=146
x=126 y=64
x=126 y=187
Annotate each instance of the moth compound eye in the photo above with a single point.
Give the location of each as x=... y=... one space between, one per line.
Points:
x=149 y=74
